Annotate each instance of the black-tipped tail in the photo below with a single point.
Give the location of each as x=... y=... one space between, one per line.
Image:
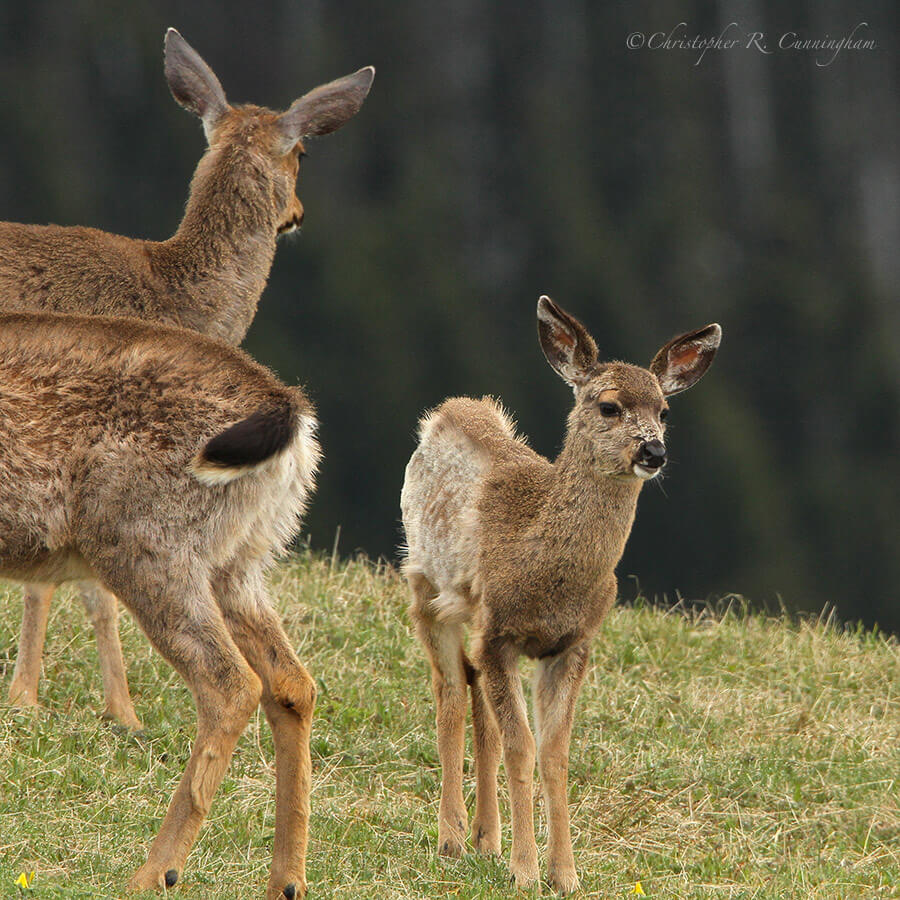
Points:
x=246 y=444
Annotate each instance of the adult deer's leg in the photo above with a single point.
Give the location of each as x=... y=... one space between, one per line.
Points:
x=486 y=821
x=185 y=625
x=103 y=611
x=23 y=690
x=503 y=687
x=288 y=698
x=444 y=643
x=557 y=681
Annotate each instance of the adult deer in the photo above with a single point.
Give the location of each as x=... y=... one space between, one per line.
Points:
x=208 y=276
x=524 y=551
x=170 y=468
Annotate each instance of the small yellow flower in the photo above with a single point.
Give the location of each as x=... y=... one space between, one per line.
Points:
x=639 y=890
x=25 y=880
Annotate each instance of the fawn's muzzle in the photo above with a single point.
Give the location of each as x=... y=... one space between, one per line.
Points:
x=652 y=454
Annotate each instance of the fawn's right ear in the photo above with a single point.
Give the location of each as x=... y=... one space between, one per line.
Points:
x=565 y=342
x=192 y=82
x=325 y=108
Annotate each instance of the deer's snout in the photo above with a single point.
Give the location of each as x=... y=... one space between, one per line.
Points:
x=652 y=454
x=294 y=216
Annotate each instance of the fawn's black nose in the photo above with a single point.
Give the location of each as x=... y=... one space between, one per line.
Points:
x=652 y=454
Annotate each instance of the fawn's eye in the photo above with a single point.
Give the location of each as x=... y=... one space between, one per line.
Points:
x=609 y=410
x=663 y=415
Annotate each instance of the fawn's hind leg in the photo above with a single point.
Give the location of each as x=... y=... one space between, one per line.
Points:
x=103 y=610
x=183 y=622
x=444 y=643
x=486 y=740
x=23 y=690
x=288 y=698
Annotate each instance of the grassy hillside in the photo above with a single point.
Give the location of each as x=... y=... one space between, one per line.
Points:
x=727 y=756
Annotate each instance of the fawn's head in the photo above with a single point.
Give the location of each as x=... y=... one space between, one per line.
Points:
x=620 y=409
x=273 y=140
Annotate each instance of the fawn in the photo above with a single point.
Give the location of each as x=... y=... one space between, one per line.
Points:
x=171 y=468
x=208 y=276
x=524 y=551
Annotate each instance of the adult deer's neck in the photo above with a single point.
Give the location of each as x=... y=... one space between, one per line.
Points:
x=217 y=262
x=589 y=514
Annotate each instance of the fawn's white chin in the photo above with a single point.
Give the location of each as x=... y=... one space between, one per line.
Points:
x=643 y=472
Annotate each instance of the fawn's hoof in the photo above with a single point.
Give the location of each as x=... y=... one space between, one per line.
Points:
x=563 y=880
x=526 y=876
x=452 y=834
x=451 y=847
x=128 y=720
x=22 y=697
x=486 y=840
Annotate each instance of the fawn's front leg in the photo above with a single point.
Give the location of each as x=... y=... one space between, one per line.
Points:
x=557 y=681
x=503 y=687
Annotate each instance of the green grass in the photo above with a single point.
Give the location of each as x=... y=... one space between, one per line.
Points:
x=729 y=755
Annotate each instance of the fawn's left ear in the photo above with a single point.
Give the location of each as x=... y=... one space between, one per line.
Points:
x=681 y=363
x=565 y=342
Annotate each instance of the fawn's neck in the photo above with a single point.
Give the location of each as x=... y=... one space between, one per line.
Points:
x=219 y=259
x=589 y=514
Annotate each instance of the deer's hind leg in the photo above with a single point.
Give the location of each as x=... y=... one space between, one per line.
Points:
x=23 y=689
x=486 y=740
x=288 y=699
x=444 y=643
x=103 y=611
x=183 y=622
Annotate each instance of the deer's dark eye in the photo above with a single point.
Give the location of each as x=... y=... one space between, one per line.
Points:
x=663 y=415
x=609 y=410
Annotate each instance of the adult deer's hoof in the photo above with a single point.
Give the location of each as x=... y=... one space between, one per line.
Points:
x=293 y=890
x=152 y=879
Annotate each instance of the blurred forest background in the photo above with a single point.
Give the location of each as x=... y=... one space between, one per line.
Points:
x=510 y=149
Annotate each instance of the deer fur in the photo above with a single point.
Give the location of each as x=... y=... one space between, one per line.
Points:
x=171 y=469
x=207 y=277
x=523 y=552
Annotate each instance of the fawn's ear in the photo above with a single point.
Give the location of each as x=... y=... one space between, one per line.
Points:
x=325 y=108
x=681 y=363
x=192 y=82
x=565 y=342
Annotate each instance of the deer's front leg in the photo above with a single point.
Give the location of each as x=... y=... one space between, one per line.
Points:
x=503 y=687
x=557 y=681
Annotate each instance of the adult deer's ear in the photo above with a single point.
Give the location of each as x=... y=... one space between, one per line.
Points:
x=325 y=108
x=192 y=82
x=681 y=363
x=565 y=342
